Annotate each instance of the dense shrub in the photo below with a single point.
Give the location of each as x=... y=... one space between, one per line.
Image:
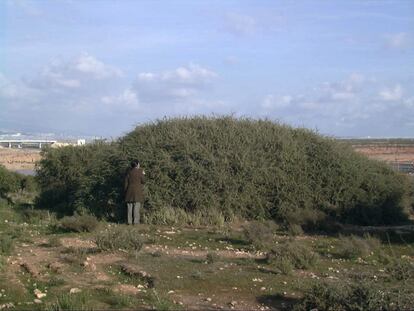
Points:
x=226 y=167
x=119 y=237
x=35 y=216
x=78 y=223
x=401 y=269
x=290 y=255
x=12 y=182
x=9 y=181
x=259 y=233
x=359 y=296
x=80 y=179
x=351 y=247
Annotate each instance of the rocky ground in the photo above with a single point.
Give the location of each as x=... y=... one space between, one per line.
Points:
x=177 y=268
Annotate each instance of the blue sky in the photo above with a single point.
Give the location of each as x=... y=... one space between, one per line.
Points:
x=344 y=68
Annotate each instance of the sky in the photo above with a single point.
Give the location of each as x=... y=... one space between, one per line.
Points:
x=95 y=67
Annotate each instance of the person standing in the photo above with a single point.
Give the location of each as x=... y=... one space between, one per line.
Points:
x=134 y=192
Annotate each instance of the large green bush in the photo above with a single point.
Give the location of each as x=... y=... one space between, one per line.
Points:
x=253 y=169
x=9 y=181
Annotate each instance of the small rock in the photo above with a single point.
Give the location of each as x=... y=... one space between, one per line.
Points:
x=233 y=303
x=39 y=294
x=8 y=305
x=208 y=299
x=171 y=292
x=262 y=288
x=74 y=290
x=37 y=301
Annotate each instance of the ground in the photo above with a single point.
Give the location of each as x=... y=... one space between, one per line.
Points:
x=19 y=159
x=177 y=268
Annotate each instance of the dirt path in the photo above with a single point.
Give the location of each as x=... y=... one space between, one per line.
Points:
x=175 y=252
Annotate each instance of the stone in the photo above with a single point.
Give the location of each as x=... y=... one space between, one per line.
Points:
x=37 y=301
x=39 y=294
x=8 y=305
x=75 y=290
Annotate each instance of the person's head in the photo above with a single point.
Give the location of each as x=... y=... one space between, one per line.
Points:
x=134 y=163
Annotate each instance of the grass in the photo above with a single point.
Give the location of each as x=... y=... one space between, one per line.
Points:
x=6 y=245
x=78 y=223
x=352 y=247
x=202 y=274
x=359 y=296
x=260 y=233
x=119 y=237
x=292 y=255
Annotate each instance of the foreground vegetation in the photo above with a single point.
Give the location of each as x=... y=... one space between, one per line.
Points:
x=48 y=264
x=213 y=170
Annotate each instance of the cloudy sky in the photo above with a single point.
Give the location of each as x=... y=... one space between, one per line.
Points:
x=343 y=68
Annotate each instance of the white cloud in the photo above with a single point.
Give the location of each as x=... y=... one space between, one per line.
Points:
x=391 y=94
x=182 y=83
x=192 y=74
x=83 y=72
x=127 y=99
x=8 y=89
x=353 y=106
x=274 y=102
x=398 y=41
x=88 y=64
x=13 y=91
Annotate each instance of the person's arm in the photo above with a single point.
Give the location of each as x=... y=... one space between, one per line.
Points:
x=126 y=181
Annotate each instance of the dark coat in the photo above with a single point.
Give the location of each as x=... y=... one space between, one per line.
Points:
x=134 y=185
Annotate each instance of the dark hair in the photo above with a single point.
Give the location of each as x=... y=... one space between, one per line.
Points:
x=134 y=163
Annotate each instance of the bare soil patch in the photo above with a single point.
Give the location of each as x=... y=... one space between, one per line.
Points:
x=388 y=153
x=19 y=159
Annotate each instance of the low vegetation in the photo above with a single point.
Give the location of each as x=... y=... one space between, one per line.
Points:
x=78 y=223
x=115 y=238
x=6 y=245
x=11 y=182
x=260 y=233
x=359 y=296
x=352 y=247
x=291 y=255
